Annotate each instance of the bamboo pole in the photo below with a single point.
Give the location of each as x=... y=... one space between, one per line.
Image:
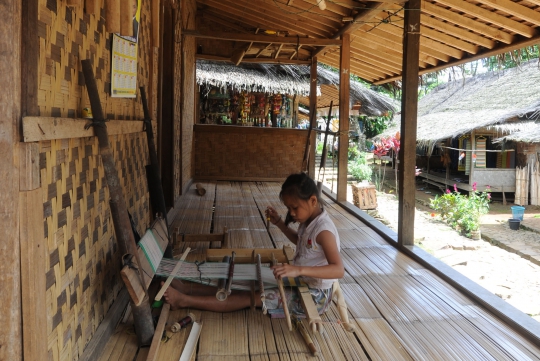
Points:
x=144 y=325
x=112 y=16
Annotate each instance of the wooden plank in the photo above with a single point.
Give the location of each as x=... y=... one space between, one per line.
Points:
x=29 y=174
x=10 y=257
x=156 y=341
x=262 y=38
x=133 y=284
x=106 y=328
x=409 y=106
x=33 y=269
x=243 y=255
x=344 y=93
x=48 y=128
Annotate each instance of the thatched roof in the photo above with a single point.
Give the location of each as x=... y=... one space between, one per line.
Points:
x=502 y=100
x=530 y=135
x=290 y=79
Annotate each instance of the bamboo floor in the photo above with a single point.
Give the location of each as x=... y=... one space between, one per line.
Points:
x=401 y=310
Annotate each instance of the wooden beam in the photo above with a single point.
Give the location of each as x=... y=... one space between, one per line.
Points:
x=36 y=129
x=344 y=105
x=262 y=38
x=499 y=50
x=467 y=23
x=409 y=107
x=11 y=340
x=254 y=60
x=29 y=173
x=278 y=51
x=459 y=33
x=515 y=9
x=490 y=17
x=358 y=21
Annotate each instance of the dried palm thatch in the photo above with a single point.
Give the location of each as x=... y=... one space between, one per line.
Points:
x=506 y=100
x=530 y=135
x=288 y=79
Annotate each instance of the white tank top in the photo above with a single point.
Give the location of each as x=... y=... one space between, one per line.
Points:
x=310 y=253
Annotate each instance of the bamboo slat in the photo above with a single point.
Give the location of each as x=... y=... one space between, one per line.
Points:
x=535 y=184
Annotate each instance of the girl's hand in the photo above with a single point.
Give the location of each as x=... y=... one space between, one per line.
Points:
x=286 y=270
x=272 y=214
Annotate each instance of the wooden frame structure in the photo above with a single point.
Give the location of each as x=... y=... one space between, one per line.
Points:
x=71 y=241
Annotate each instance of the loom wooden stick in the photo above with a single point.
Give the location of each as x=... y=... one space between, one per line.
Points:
x=283 y=296
x=173 y=273
x=342 y=307
x=191 y=342
x=305 y=335
x=156 y=340
x=112 y=16
x=252 y=285
x=310 y=309
x=221 y=293
x=261 y=283
x=231 y=274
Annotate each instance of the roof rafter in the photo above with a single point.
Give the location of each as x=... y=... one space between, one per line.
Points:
x=490 y=17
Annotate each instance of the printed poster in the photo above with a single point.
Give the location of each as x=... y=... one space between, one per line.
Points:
x=124 y=60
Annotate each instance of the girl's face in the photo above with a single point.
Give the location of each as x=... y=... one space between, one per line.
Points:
x=301 y=211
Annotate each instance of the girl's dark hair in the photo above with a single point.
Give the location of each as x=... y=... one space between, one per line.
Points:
x=301 y=186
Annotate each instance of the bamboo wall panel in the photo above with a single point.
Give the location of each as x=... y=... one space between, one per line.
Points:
x=82 y=261
x=236 y=153
x=67 y=35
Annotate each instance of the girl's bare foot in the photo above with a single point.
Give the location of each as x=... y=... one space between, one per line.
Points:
x=175 y=298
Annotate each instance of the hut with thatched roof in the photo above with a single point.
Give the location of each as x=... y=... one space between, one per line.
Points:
x=289 y=80
x=460 y=121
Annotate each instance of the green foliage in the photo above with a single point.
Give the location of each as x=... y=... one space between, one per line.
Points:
x=461 y=212
x=353 y=153
x=319 y=148
x=359 y=168
x=511 y=59
x=375 y=125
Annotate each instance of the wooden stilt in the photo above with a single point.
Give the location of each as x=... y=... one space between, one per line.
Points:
x=409 y=106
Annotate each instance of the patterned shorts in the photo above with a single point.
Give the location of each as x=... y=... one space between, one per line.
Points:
x=273 y=301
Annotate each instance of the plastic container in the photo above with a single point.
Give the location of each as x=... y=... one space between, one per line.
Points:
x=517 y=212
x=514 y=223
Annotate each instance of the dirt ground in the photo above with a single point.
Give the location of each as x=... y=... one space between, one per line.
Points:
x=503 y=273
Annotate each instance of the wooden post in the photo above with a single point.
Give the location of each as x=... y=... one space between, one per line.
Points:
x=10 y=258
x=126 y=17
x=344 y=91
x=472 y=164
x=409 y=107
x=144 y=325
x=156 y=8
x=312 y=112
x=112 y=16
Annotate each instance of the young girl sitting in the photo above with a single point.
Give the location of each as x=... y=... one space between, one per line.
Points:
x=317 y=261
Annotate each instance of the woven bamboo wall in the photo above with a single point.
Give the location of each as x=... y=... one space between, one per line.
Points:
x=83 y=264
x=66 y=36
x=246 y=153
